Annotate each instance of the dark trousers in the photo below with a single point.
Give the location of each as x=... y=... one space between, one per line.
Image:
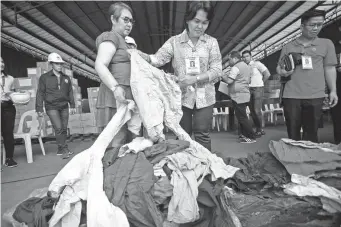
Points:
x=8 y=112
x=244 y=124
x=59 y=120
x=256 y=102
x=336 y=116
x=198 y=122
x=305 y=113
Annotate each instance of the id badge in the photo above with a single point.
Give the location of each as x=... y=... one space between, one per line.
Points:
x=192 y=65
x=201 y=93
x=307 y=62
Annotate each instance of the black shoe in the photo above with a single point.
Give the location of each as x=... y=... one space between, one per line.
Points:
x=259 y=133
x=10 y=163
x=60 y=152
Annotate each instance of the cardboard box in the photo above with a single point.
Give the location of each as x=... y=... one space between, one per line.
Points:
x=45 y=66
x=93 y=92
x=76 y=131
x=90 y=130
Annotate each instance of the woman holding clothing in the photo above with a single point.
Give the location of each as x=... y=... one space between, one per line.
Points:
x=113 y=67
x=196 y=60
x=8 y=112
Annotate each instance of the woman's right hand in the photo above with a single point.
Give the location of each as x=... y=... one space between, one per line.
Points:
x=119 y=94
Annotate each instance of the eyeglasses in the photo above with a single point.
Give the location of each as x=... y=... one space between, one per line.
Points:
x=311 y=26
x=127 y=20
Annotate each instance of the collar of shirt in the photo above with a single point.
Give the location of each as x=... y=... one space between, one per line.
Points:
x=184 y=38
x=313 y=43
x=251 y=62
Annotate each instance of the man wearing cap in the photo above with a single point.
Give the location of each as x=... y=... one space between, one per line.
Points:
x=55 y=91
x=304 y=90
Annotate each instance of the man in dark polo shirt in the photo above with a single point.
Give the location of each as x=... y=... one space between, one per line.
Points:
x=305 y=90
x=55 y=91
x=238 y=81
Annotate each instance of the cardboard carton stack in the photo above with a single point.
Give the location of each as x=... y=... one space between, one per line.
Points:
x=84 y=123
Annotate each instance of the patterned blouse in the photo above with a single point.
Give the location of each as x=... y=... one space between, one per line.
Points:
x=180 y=47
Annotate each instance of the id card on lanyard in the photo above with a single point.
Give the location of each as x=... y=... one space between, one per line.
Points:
x=192 y=65
x=307 y=62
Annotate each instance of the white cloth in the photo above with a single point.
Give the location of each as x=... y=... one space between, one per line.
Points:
x=6 y=87
x=135 y=146
x=257 y=73
x=304 y=186
x=83 y=176
x=158 y=98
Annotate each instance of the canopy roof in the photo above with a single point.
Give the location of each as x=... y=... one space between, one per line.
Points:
x=71 y=27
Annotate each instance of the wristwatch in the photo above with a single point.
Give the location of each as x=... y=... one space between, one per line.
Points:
x=198 y=78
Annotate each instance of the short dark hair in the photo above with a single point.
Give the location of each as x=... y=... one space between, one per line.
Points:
x=194 y=6
x=247 y=52
x=235 y=54
x=312 y=13
x=116 y=10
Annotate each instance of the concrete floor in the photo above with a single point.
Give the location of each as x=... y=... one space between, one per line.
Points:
x=17 y=183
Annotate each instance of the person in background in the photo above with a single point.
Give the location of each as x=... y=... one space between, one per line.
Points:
x=336 y=110
x=304 y=93
x=238 y=80
x=56 y=94
x=196 y=82
x=113 y=68
x=8 y=112
x=260 y=74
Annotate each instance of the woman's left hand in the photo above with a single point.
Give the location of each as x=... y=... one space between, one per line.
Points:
x=187 y=81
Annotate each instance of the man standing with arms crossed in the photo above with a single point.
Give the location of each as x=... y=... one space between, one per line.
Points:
x=305 y=90
x=259 y=75
x=55 y=91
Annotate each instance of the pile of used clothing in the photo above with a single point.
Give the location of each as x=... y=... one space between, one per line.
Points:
x=297 y=184
x=168 y=183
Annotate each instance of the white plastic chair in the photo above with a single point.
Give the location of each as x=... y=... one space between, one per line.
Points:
x=215 y=119
x=35 y=127
x=266 y=111
x=276 y=109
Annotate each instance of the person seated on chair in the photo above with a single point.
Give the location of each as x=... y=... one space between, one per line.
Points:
x=8 y=112
x=55 y=91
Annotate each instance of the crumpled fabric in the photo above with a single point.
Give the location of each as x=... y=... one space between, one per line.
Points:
x=155 y=90
x=135 y=146
x=35 y=211
x=134 y=124
x=160 y=150
x=304 y=186
x=128 y=184
x=258 y=171
x=331 y=178
x=241 y=210
x=84 y=175
x=303 y=160
x=162 y=190
x=183 y=206
x=68 y=209
x=8 y=215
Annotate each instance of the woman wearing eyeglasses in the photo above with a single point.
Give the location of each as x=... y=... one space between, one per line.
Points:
x=196 y=60
x=113 y=67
